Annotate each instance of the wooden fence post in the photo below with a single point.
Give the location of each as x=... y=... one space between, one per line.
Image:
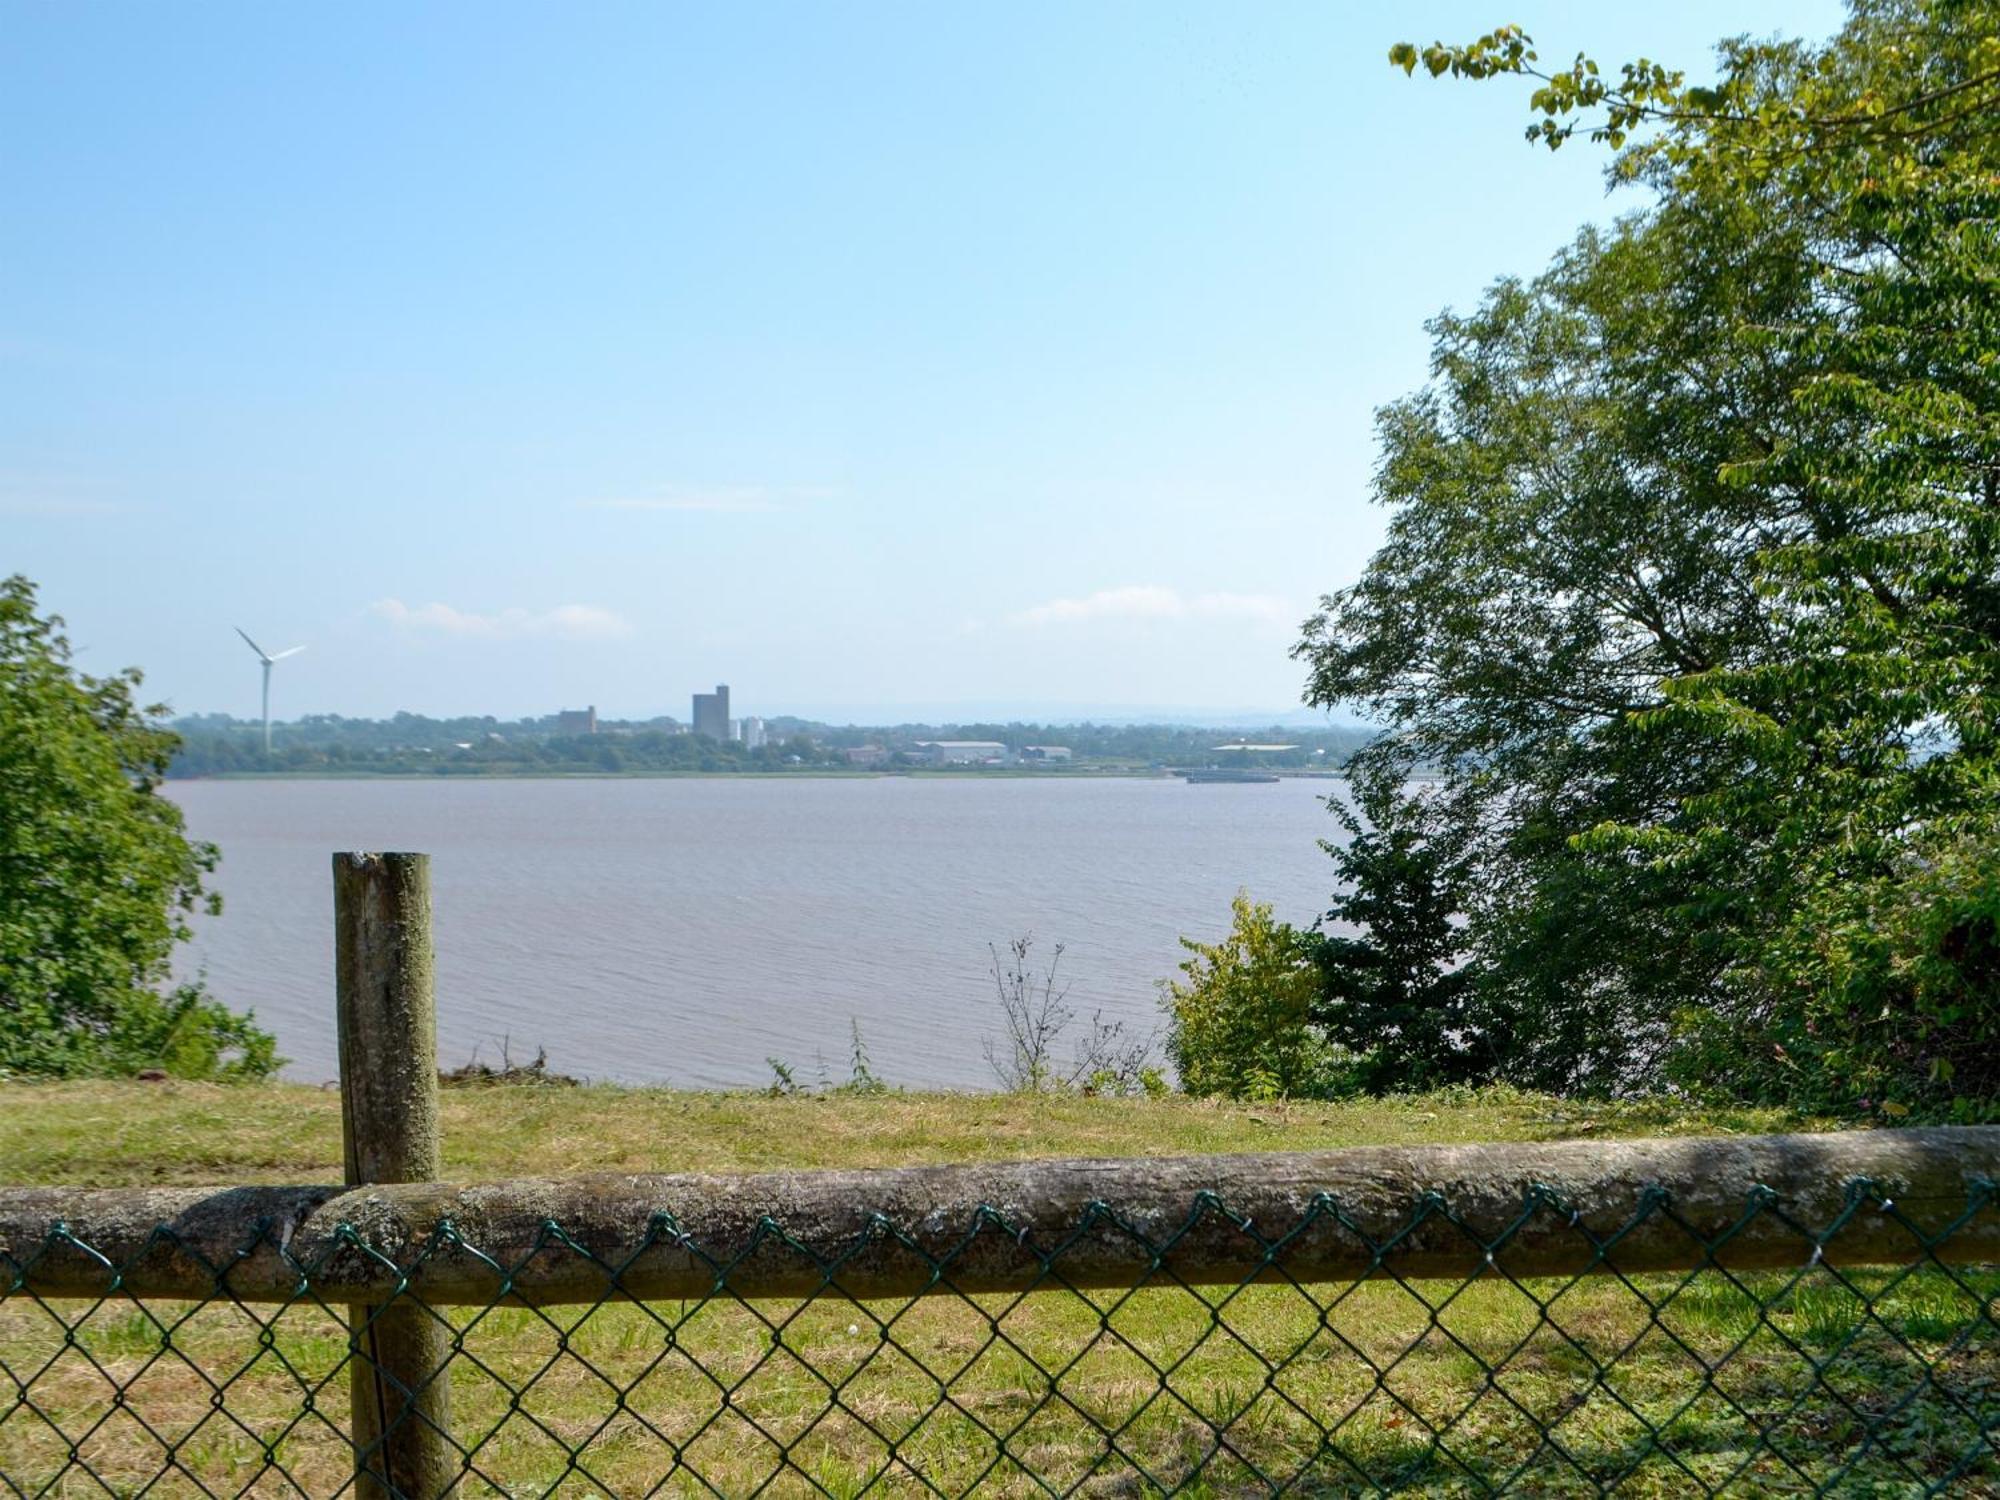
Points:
x=386 y=996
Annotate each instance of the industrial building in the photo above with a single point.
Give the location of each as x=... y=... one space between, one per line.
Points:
x=577 y=720
x=711 y=713
x=961 y=752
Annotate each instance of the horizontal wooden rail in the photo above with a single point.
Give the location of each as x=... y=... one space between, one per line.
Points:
x=1758 y=1201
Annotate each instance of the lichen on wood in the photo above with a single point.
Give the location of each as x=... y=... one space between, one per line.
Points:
x=1548 y=1209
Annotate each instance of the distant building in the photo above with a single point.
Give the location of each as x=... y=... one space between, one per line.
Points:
x=961 y=752
x=751 y=732
x=865 y=755
x=1257 y=749
x=1046 y=754
x=711 y=712
x=577 y=720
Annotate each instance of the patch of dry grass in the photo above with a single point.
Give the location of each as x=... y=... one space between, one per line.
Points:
x=108 y=1134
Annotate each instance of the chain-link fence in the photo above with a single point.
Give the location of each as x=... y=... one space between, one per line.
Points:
x=1180 y=1343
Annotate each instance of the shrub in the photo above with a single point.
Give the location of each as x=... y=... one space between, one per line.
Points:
x=1888 y=997
x=1036 y=1014
x=97 y=876
x=1241 y=1014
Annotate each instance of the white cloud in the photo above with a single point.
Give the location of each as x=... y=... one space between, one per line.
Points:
x=565 y=622
x=1268 y=608
x=1155 y=602
x=55 y=508
x=727 y=499
x=52 y=497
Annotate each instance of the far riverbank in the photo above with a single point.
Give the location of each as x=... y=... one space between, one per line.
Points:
x=806 y=773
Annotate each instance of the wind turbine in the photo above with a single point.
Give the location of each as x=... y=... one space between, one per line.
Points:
x=266 y=658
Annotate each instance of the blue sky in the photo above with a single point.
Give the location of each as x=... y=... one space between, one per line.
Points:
x=871 y=358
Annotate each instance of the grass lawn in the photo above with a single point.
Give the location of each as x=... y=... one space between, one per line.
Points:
x=112 y=1134
x=1877 y=1382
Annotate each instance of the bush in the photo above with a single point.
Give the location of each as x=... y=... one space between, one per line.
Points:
x=1882 y=996
x=1035 y=1013
x=97 y=876
x=1240 y=1017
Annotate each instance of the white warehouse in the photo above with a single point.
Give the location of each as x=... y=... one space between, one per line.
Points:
x=962 y=752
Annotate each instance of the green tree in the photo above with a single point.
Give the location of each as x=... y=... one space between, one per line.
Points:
x=1734 y=779
x=1853 y=845
x=97 y=877
x=1560 y=546
x=1401 y=997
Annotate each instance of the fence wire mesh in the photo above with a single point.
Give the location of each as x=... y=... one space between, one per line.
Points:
x=1818 y=1379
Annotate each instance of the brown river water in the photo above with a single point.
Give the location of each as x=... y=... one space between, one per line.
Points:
x=681 y=931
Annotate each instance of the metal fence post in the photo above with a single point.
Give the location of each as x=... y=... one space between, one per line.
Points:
x=386 y=996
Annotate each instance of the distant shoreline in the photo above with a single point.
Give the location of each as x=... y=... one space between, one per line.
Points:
x=820 y=773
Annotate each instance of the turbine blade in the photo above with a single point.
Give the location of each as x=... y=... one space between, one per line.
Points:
x=283 y=654
x=252 y=644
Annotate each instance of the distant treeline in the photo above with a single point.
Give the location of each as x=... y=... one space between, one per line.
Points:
x=414 y=744
x=1133 y=745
